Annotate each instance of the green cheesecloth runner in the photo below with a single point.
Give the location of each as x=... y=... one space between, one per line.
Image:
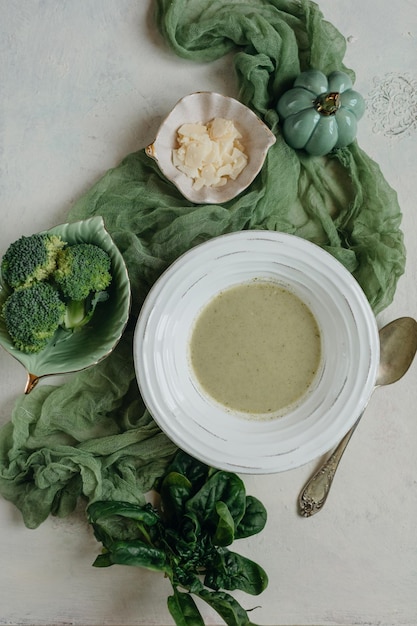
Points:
x=92 y=436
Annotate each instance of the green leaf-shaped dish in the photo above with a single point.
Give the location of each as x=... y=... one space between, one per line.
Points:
x=86 y=347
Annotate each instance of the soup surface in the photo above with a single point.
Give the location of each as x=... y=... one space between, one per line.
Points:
x=255 y=348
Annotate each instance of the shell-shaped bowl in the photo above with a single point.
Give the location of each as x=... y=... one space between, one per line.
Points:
x=89 y=345
x=204 y=106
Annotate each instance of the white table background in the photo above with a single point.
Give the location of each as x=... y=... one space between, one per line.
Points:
x=83 y=83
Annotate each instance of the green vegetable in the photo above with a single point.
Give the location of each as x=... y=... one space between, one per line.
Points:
x=74 y=280
x=83 y=275
x=30 y=259
x=79 y=312
x=320 y=113
x=202 y=510
x=82 y=268
x=32 y=315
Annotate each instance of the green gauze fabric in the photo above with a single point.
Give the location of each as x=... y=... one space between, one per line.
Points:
x=92 y=436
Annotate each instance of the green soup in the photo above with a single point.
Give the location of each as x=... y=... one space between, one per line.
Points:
x=255 y=348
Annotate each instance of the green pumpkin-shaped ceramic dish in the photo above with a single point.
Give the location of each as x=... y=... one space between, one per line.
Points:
x=95 y=341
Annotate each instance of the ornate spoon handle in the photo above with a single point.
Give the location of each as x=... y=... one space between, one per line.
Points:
x=315 y=492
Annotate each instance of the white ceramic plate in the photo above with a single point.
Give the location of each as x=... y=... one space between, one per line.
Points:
x=204 y=106
x=223 y=438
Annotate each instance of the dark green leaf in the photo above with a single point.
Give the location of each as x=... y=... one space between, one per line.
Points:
x=191 y=529
x=123 y=521
x=227 y=607
x=221 y=486
x=254 y=519
x=225 y=530
x=105 y=537
x=175 y=543
x=184 y=577
x=103 y=560
x=175 y=491
x=188 y=466
x=139 y=554
x=233 y=571
x=104 y=509
x=203 y=511
x=184 y=610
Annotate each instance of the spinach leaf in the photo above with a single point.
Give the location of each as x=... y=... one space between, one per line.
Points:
x=188 y=466
x=191 y=529
x=202 y=510
x=227 y=607
x=254 y=519
x=102 y=510
x=225 y=530
x=139 y=554
x=184 y=610
x=103 y=560
x=221 y=486
x=122 y=520
x=176 y=489
x=234 y=571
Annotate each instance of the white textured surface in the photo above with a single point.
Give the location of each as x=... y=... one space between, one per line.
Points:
x=83 y=84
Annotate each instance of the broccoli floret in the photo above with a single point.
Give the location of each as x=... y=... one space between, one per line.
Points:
x=83 y=275
x=30 y=259
x=54 y=285
x=82 y=268
x=32 y=315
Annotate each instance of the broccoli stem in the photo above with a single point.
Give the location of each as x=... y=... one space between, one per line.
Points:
x=79 y=312
x=75 y=316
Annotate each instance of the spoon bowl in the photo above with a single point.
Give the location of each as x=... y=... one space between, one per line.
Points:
x=398 y=346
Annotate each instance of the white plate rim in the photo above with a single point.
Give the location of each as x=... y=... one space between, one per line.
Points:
x=299 y=455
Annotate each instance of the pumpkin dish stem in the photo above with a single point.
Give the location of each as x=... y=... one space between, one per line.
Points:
x=328 y=103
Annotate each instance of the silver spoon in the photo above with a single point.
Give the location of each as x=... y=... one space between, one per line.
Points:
x=398 y=345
